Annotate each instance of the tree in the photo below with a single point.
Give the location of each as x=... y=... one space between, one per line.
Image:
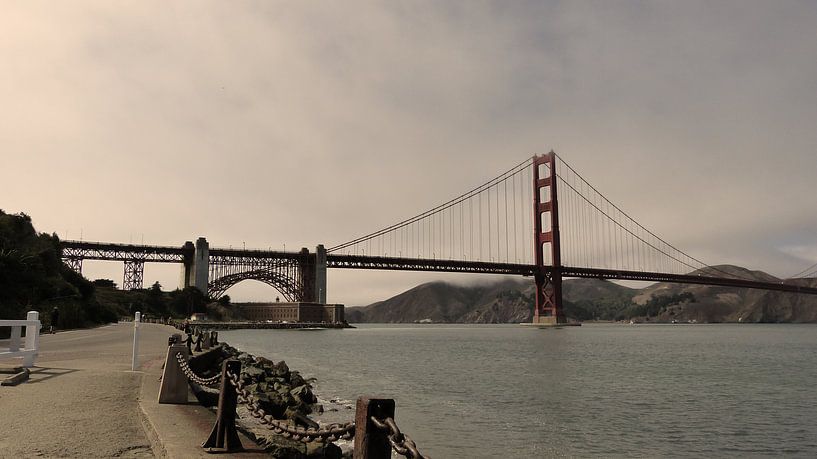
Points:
x=107 y=283
x=186 y=302
x=155 y=299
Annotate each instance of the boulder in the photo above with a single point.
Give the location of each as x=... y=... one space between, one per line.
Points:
x=323 y=450
x=251 y=372
x=264 y=362
x=300 y=419
x=281 y=370
x=304 y=393
x=272 y=404
x=295 y=379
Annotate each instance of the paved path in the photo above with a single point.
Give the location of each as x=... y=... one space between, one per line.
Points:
x=84 y=401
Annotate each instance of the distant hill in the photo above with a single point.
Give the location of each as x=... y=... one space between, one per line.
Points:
x=511 y=301
x=726 y=304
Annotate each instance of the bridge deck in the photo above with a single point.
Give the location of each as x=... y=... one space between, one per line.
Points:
x=415 y=264
x=168 y=254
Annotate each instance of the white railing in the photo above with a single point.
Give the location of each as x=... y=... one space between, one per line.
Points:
x=32 y=342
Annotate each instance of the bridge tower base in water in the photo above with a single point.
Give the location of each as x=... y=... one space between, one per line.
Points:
x=548 y=308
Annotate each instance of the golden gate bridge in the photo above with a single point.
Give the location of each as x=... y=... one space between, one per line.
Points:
x=540 y=218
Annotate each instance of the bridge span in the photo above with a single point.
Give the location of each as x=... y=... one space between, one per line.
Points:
x=577 y=232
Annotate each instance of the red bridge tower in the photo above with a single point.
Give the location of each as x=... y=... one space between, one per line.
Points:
x=548 y=276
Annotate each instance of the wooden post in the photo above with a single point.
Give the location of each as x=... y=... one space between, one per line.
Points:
x=224 y=437
x=371 y=442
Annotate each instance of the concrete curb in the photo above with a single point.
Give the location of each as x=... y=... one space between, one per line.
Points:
x=177 y=431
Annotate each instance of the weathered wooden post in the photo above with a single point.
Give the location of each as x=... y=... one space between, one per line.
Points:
x=371 y=442
x=224 y=437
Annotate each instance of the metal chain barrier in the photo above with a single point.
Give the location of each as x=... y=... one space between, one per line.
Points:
x=185 y=366
x=330 y=433
x=400 y=442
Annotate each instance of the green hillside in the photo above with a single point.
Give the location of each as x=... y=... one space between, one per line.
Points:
x=33 y=278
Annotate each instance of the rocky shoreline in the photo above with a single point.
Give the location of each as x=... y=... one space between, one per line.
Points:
x=241 y=325
x=282 y=393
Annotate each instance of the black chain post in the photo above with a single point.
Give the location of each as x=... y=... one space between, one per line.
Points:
x=370 y=441
x=198 y=343
x=224 y=437
x=189 y=342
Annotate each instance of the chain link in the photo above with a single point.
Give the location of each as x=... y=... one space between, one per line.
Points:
x=400 y=442
x=185 y=366
x=332 y=432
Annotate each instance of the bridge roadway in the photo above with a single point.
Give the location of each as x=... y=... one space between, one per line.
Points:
x=156 y=253
x=411 y=264
x=169 y=254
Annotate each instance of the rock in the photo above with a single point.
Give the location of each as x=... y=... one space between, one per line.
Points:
x=300 y=419
x=281 y=370
x=295 y=379
x=206 y=397
x=272 y=404
x=304 y=393
x=264 y=362
x=323 y=450
x=287 y=399
x=251 y=372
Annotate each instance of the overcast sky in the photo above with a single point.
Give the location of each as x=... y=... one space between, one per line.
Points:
x=297 y=123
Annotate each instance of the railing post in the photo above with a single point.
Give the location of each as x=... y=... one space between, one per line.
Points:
x=224 y=437
x=16 y=334
x=135 y=359
x=32 y=338
x=371 y=442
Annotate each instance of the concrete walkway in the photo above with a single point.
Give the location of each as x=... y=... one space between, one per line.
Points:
x=84 y=401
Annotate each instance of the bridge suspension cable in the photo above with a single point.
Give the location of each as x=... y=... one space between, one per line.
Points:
x=811 y=271
x=596 y=233
x=491 y=222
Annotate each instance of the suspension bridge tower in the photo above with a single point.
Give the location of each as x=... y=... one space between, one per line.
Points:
x=548 y=309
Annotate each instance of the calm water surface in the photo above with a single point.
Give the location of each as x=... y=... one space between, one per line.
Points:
x=595 y=390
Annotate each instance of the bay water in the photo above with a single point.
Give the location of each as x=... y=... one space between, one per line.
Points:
x=610 y=390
